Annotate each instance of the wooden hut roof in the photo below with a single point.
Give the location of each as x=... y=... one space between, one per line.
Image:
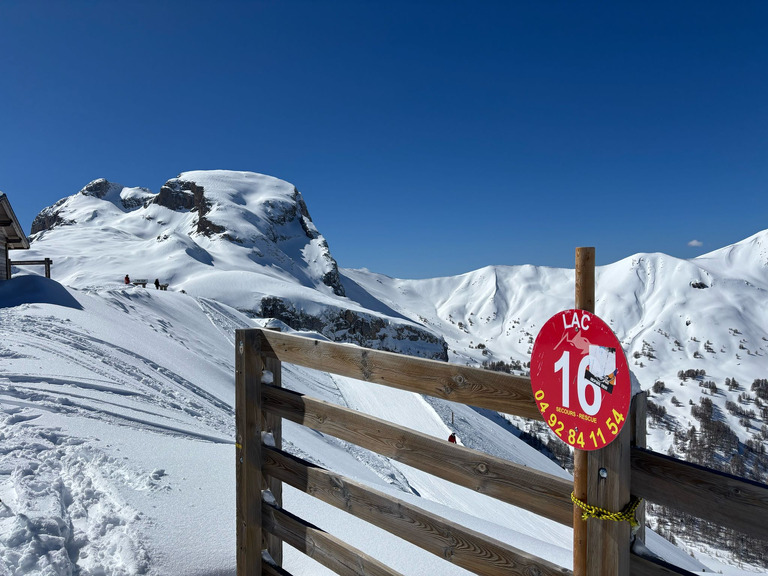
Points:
x=10 y=229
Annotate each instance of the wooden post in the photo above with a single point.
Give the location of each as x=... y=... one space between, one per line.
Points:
x=48 y=263
x=273 y=425
x=638 y=416
x=608 y=488
x=249 y=480
x=585 y=300
x=600 y=477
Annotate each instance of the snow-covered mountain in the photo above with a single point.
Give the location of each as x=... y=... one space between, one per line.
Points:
x=92 y=372
x=707 y=314
x=241 y=238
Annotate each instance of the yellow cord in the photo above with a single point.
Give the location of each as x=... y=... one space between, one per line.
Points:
x=627 y=514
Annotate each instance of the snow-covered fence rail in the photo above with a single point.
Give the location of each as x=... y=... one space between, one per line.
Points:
x=262 y=524
x=47 y=262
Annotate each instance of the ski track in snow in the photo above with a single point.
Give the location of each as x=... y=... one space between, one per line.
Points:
x=222 y=318
x=60 y=513
x=135 y=382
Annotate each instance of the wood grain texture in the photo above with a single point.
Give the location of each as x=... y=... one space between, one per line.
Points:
x=322 y=547
x=471 y=386
x=580 y=483
x=638 y=415
x=448 y=540
x=248 y=476
x=608 y=541
x=273 y=424
x=721 y=498
x=526 y=487
x=584 y=299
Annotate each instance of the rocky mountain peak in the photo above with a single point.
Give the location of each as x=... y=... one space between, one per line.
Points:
x=100 y=188
x=213 y=215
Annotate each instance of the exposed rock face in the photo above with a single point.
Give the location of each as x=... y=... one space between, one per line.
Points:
x=100 y=188
x=330 y=278
x=177 y=195
x=366 y=330
x=49 y=218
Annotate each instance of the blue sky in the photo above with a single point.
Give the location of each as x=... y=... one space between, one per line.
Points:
x=428 y=138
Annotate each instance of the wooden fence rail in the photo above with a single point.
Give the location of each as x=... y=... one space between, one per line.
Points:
x=47 y=262
x=727 y=500
x=472 y=386
x=460 y=546
x=519 y=485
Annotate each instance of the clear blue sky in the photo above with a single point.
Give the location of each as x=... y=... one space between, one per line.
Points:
x=428 y=138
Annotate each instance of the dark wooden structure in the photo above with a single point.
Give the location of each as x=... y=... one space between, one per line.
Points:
x=11 y=236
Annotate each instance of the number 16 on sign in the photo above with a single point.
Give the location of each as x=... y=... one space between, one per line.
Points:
x=580 y=379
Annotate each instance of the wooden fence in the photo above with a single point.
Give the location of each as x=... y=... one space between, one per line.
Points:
x=262 y=466
x=47 y=262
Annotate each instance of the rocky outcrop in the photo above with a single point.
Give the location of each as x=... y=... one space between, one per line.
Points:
x=296 y=210
x=177 y=195
x=366 y=330
x=99 y=188
x=49 y=218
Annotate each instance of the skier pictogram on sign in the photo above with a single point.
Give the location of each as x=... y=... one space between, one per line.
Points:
x=580 y=379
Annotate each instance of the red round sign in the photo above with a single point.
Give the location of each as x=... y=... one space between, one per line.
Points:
x=580 y=379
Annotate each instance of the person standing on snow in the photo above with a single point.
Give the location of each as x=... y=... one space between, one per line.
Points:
x=452 y=438
x=127 y=279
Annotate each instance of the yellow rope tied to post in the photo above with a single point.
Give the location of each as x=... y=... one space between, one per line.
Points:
x=627 y=514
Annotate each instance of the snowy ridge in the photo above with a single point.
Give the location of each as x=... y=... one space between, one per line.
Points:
x=239 y=238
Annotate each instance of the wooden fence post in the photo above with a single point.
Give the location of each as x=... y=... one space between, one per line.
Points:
x=638 y=416
x=585 y=300
x=249 y=479
x=273 y=424
x=600 y=477
x=608 y=480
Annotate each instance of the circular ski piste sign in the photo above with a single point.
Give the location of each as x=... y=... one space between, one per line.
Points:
x=580 y=379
